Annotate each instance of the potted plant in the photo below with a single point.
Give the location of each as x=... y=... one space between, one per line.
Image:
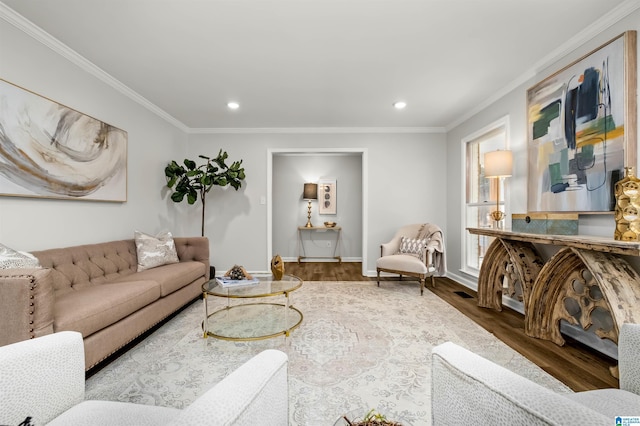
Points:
x=193 y=181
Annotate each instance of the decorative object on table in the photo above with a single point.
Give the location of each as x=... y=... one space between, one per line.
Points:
x=330 y=224
x=327 y=197
x=627 y=211
x=191 y=180
x=371 y=418
x=498 y=165
x=582 y=130
x=52 y=151
x=309 y=193
x=237 y=272
x=277 y=267
x=227 y=282
x=545 y=223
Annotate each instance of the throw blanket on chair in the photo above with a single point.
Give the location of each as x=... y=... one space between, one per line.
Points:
x=434 y=236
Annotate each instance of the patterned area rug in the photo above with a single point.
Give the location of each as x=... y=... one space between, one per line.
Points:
x=358 y=347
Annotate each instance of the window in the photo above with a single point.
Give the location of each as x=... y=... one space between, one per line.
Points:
x=480 y=193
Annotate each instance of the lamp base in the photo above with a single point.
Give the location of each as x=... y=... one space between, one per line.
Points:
x=309 y=224
x=497 y=216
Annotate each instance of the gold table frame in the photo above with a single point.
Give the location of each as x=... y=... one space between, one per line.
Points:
x=267 y=287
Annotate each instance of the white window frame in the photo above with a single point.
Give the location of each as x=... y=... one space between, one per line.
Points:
x=501 y=123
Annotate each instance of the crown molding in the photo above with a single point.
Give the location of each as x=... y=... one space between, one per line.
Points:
x=315 y=130
x=614 y=16
x=37 y=33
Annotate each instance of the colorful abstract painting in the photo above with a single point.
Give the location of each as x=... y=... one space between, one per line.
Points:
x=50 y=150
x=582 y=130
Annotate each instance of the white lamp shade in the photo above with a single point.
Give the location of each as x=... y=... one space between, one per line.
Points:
x=498 y=164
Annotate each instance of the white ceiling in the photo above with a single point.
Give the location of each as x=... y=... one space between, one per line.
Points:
x=320 y=63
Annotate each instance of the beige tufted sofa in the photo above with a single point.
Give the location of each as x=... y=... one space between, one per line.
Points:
x=96 y=290
x=469 y=389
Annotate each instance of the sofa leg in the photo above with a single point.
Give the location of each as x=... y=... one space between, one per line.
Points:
x=378 y=277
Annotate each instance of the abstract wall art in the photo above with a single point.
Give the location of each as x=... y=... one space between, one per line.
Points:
x=582 y=130
x=51 y=151
x=327 y=196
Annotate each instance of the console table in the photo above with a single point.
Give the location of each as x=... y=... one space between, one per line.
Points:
x=301 y=251
x=586 y=283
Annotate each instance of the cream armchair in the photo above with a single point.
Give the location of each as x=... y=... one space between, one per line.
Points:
x=416 y=251
x=42 y=382
x=468 y=389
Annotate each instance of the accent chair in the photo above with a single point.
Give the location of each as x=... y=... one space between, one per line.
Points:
x=42 y=382
x=415 y=250
x=469 y=389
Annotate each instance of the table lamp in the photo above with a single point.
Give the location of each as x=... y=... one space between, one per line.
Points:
x=309 y=193
x=498 y=164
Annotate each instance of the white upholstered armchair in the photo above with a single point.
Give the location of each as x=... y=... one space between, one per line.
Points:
x=415 y=250
x=469 y=389
x=43 y=379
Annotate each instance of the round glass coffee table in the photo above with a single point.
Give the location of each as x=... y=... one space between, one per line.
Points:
x=248 y=319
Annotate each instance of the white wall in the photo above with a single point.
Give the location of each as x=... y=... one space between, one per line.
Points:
x=405 y=185
x=33 y=224
x=290 y=171
x=514 y=105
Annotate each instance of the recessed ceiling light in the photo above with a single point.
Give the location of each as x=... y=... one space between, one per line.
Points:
x=399 y=105
x=233 y=105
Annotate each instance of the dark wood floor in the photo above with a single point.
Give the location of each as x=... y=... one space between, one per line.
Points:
x=574 y=364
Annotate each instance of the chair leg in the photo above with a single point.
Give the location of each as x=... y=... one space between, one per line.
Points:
x=378 y=277
x=422 y=286
x=433 y=281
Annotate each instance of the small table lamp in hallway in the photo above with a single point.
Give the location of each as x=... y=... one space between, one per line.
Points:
x=309 y=193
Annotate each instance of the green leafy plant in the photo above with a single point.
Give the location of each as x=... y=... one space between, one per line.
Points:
x=192 y=181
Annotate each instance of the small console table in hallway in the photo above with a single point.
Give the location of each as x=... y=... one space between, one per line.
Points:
x=314 y=229
x=587 y=283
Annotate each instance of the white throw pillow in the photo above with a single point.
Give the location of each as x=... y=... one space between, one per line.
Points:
x=156 y=250
x=412 y=246
x=10 y=258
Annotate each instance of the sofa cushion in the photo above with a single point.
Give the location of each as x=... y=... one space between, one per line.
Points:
x=403 y=262
x=110 y=413
x=610 y=402
x=95 y=307
x=10 y=258
x=170 y=277
x=155 y=251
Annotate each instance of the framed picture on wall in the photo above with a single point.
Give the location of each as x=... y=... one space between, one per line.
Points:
x=327 y=196
x=52 y=151
x=581 y=125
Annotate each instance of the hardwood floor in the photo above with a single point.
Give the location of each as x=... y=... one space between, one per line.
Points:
x=574 y=364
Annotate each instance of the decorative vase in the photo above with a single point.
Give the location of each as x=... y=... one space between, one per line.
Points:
x=277 y=267
x=627 y=211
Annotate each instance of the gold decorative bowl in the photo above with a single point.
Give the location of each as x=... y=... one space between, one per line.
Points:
x=330 y=224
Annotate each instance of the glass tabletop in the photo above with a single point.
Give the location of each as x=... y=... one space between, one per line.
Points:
x=265 y=287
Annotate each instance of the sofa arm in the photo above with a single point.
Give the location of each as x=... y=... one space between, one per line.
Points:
x=254 y=394
x=193 y=249
x=26 y=304
x=469 y=389
x=628 y=359
x=41 y=378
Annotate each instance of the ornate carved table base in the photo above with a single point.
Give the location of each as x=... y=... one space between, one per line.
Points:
x=586 y=283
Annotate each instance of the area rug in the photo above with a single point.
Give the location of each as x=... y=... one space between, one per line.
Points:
x=359 y=347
